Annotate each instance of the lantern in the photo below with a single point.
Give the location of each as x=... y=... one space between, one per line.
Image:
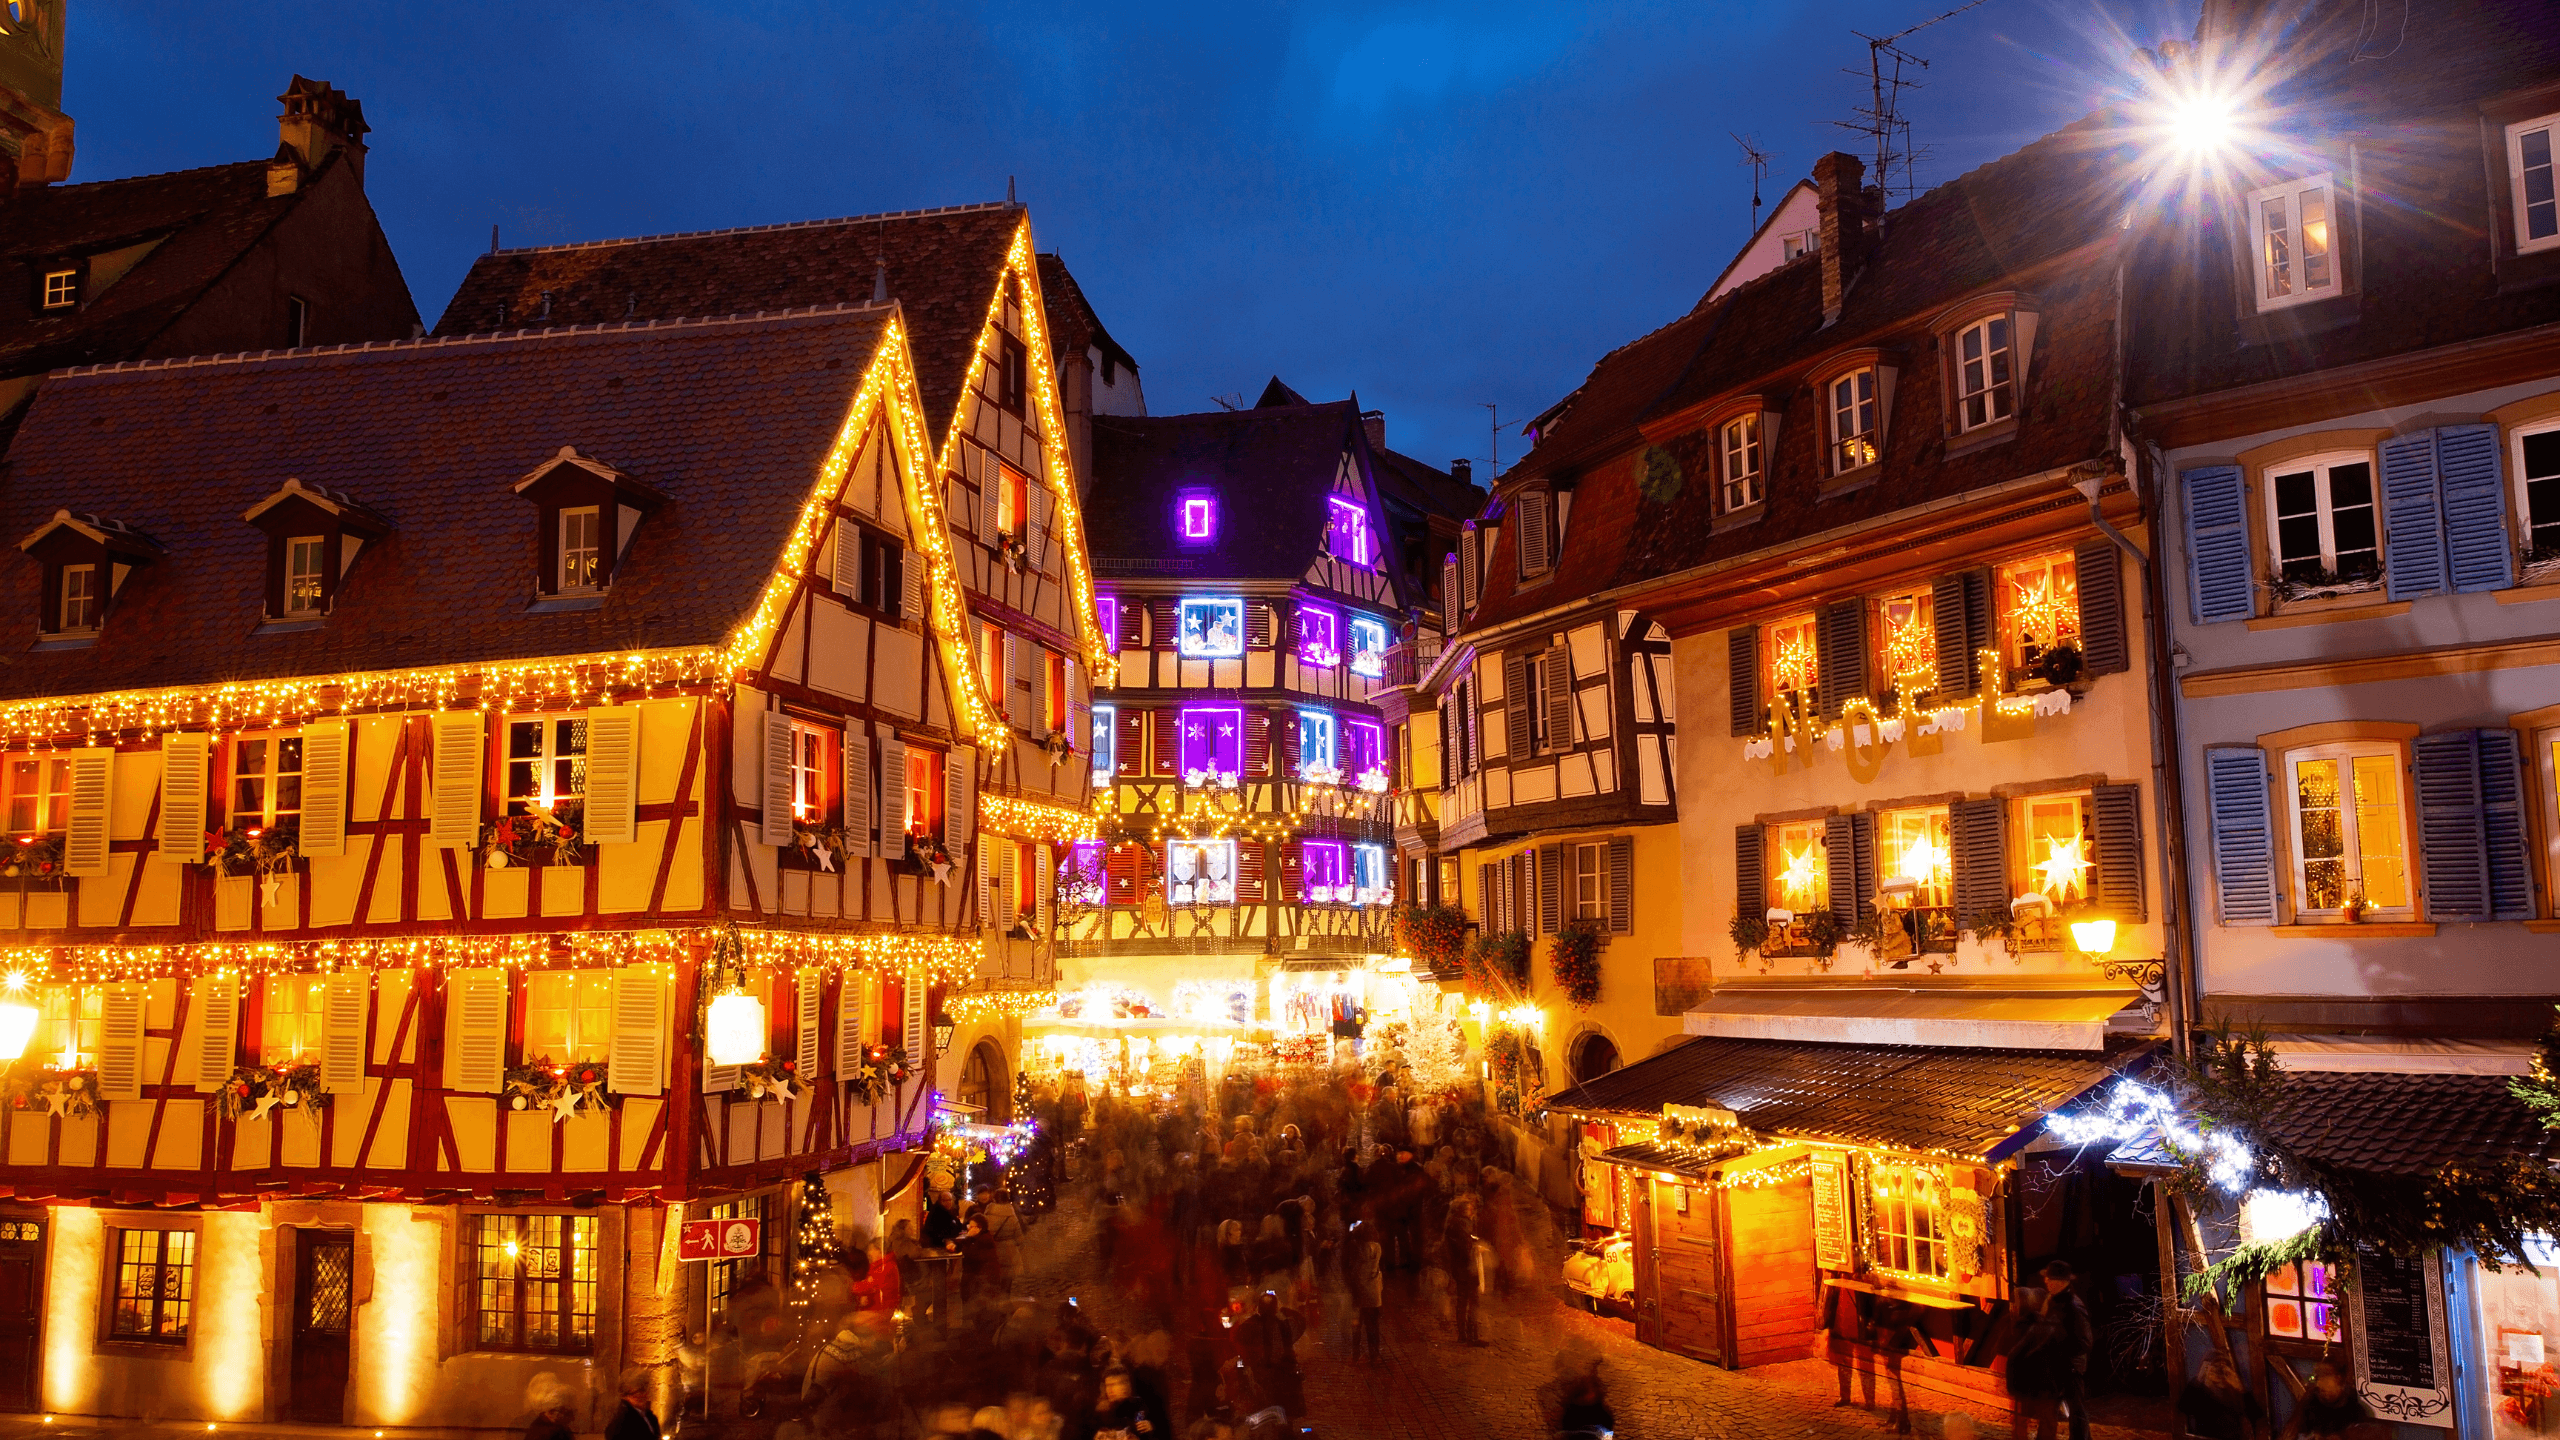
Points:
x=2094 y=937
x=733 y=1033
x=18 y=1019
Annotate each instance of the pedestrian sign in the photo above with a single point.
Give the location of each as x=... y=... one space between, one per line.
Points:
x=719 y=1239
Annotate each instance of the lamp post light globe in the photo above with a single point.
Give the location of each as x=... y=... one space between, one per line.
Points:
x=733 y=1031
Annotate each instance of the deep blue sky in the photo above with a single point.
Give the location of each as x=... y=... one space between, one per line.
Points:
x=1437 y=205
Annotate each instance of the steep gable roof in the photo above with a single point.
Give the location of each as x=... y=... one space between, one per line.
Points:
x=1073 y=325
x=1271 y=468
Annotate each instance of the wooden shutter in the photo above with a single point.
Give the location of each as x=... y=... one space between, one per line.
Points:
x=983 y=880
x=2477 y=553
x=2244 y=870
x=1841 y=654
x=475 y=1047
x=1550 y=889
x=913 y=1032
x=1129 y=742
x=959 y=798
x=184 y=768
x=1017 y=681
x=1449 y=606
x=858 y=841
x=1008 y=874
x=1257 y=625
x=1079 y=708
x=346 y=1014
x=1622 y=885
x=1044 y=893
x=775 y=827
x=848 y=557
x=460 y=750
x=1515 y=690
x=1287 y=725
x=1750 y=870
x=1559 y=698
x=1166 y=744
x=910 y=567
x=1449 y=757
x=1469 y=570
x=1120 y=871
x=2507 y=819
x=217 y=1010
x=1849 y=843
x=638 y=1063
x=613 y=775
x=1293 y=873
x=1960 y=607
x=1977 y=836
x=1162 y=635
x=2412 y=517
x=2115 y=820
x=1532 y=506
x=852 y=1016
x=1249 y=873
x=809 y=990
x=1485 y=899
x=2104 y=647
x=1257 y=744
x=1742 y=660
x=2453 y=826
x=86 y=842
x=120 y=1042
x=893 y=796
x=2220 y=570
x=1475 y=730
x=324 y=789
x=1044 y=511
x=1041 y=699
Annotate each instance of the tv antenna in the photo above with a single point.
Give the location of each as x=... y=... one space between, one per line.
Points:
x=1756 y=160
x=1881 y=118
x=1232 y=400
x=1493 y=423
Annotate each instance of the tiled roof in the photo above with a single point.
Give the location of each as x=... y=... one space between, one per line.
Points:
x=1975 y=1103
x=2407 y=1124
x=943 y=267
x=730 y=419
x=1271 y=469
x=1073 y=325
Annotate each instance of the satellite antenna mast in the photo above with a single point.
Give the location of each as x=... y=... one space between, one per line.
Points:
x=1493 y=425
x=1882 y=118
x=1756 y=160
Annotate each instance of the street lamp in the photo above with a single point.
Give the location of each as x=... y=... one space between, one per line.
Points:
x=733 y=1031
x=18 y=1019
x=2093 y=937
x=943 y=1030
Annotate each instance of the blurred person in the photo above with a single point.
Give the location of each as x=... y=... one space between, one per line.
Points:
x=1268 y=1343
x=635 y=1418
x=1362 y=1274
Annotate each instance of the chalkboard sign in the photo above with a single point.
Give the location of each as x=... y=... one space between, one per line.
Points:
x=1831 y=1211
x=2397 y=1310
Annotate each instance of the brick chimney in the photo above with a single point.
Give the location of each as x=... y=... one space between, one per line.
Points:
x=1840 y=194
x=1375 y=422
x=1463 y=471
x=319 y=120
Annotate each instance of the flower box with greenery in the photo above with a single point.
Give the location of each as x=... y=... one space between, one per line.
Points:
x=819 y=848
x=2305 y=583
x=34 y=861
x=543 y=837
x=259 y=1090
x=1577 y=962
x=265 y=851
x=882 y=1068
x=1750 y=932
x=924 y=856
x=1498 y=965
x=574 y=1088
x=1517 y=1086
x=34 y=1085
x=1435 y=935
x=771 y=1080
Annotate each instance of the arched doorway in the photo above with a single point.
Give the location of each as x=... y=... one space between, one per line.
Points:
x=1594 y=1055
x=983 y=1084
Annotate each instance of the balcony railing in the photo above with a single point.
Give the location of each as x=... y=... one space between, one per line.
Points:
x=1406 y=660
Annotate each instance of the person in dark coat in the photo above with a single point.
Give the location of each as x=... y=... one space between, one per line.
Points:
x=1268 y=1341
x=635 y=1418
x=1466 y=1284
x=2218 y=1406
x=550 y=1424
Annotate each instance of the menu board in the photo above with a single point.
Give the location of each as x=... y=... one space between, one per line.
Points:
x=2397 y=1306
x=1831 y=1211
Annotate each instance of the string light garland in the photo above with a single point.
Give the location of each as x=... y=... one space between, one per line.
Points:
x=981 y=1005
x=947 y=958
x=1100 y=661
x=1035 y=819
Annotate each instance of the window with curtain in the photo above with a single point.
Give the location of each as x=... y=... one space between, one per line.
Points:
x=533 y=1281
x=155 y=1286
x=2350 y=833
x=568 y=1014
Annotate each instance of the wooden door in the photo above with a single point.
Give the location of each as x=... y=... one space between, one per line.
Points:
x=324 y=1274
x=1648 y=1275
x=21 y=1314
x=1688 y=1270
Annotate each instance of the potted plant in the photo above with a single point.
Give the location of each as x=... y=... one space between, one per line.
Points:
x=1749 y=932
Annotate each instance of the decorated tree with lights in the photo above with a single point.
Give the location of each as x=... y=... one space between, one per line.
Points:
x=816 y=1245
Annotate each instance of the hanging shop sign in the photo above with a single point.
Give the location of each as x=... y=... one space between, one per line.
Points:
x=2402 y=1371
x=719 y=1239
x=1831 y=1249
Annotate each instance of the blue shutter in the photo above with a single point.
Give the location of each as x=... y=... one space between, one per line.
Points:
x=2218 y=544
x=2244 y=868
x=2412 y=517
x=2453 y=841
x=2502 y=811
x=2477 y=554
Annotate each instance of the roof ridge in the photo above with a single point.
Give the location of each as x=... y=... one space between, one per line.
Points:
x=1250 y=411
x=760 y=229
x=69 y=185
x=476 y=337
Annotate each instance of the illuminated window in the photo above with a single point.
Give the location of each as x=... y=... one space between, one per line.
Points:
x=1907 y=639
x=923 y=805
x=1200 y=872
x=546 y=764
x=1369 y=644
x=1590 y=881
x=581 y=548
x=1081 y=874
x=39 y=794
x=2291 y=231
x=1853 y=420
x=991 y=663
x=79 y=598
x=533 y=1281
x=2039 y=603
x=266 y=780
x=1317 y=753
x=809 y=771
x=1211 y=745
x=155 y=1286
x=1372 y=880
x=1319 y=636
x=1791 y=664
x=1799 y=883
x=2300 y=1303
x=1908 y=1203
x=1013 y=501
x=1982 y=373
x=2529 y=186
x=1107 y=611
x=2547 y=742
x=61 y=289
x=72 y=1016
x=2349 y=839
x=2056 y=851
x=290 y=1018
x=2325 y=527
x=1056 y=665
x=1105 y=742
x=303 y=580
x=1347 y=536
x=1210 y=627
x=1364 y=752
x=1740 y=446
x=1327 y=872
x=2538 y=491
x=1912 y=855
x=1196 y=516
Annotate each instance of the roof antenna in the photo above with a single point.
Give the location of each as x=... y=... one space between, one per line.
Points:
x=1008 y=191
x=1757 y=161
x=879 y=263
x=1493 y=422
x=1882 y=118
x=493 y=239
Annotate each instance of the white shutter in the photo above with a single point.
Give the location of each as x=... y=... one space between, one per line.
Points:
x=913 y=1033
x=1008 y=884
x=1017 y=681
x=459 y=751
x=911 y=586
x=120 y=1043
x=1044 y=512
x=1079 y=710
x=857 y=791
x=777 y=779
x=346 y=1004
x=324 y=788
x=853 y=1018
x=85 y=841
x=1040 y=699
x=217 y=1029
x=638 y=1064
x=804 y=1027
x=1044 y=885
x=959 y=798
x=848 y=567
x=475 y=1037
x=986 y=883
x=893 y=796
x=613 y=776
x=983 y=505
x=183 y=770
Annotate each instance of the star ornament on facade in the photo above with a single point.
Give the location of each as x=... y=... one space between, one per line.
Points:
x=1804 y=870
x=266 y=1105
x=2062 y=867
x=942 y=872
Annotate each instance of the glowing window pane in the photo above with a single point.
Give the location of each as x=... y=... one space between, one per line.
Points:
x=1211 y=628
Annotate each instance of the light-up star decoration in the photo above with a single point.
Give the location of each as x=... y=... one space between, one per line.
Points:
x=1805 y=869
x=564 y=1104
x=1923 y=860
x=2062 y=868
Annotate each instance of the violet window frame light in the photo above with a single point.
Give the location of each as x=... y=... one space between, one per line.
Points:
x=1107 y=611
x=1364 y=752
x=1211 y=745
x=1326 y=867
x=1210 y=627
x=1195 y=516
x=1348 y=531
x=1106 y=740
x=1200 y=872
x=1368 y=646
x=1319 y=636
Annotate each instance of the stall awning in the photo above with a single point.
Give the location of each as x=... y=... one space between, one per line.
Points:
x=1881 y=1015
x=1658 y=1157
x=1979 y=1103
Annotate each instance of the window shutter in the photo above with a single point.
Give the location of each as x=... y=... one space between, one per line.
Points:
x=857 y=792
x=1977 y=833
x=324 y=789
x=1008 y=875
x=475 y=1047
x=120 y=1043
x=2502 y=790
x=983 y=507
x=1120 y=873
x=848 y=567
x=1750 y=870
x=2477 y=554
x=217 y=1029
x=2115 y=815
x=1036 y=659
x=86 y=843
x=638 y=1064
x=1532 y=506
x=1960 y=607
x=2104 y=648
x=912 y=1029
x=983 y=876
x=454 y=822
x=1550 y=889
x=1449 y=595
x=775 y=827
x=1018 y=656
x=2219 y=565
x=2412 y=517
x=1257 y=625
x=183 y=772
x=1468 y=569
x=910 y=567
x=346 y=1010
x=893 y=796
x=1167 y=742
x=1257 y=743
x=1515 y=689
x=1044 y=510
x=959 y=798
x=1129 y=742
x=1297 y=627
x=613 y=775
x=809 y=989
x=1849 y=843
x=1559 y=672
x=1842 y=654
x=852 y=988
x=1622 y=884
x=2243 y=838
x=1288 y=727
x=2453 y=838
x=1079 y=709
x=1475 y=733
x=1249 y=873
x=1160 y=624
x=1742 y=660
x=1485 y=899
x=1293 y=873
x=1448 y=739
x=1044 y=894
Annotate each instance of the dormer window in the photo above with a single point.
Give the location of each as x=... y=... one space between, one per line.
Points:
x=1348 y=535
x=1195 y=517
x=86 y=562
x=79 y=613
x=304 y=567
x=1983 y=392
x=313 y=536
x=589 y=512
x=581 y=548
x=61 y=288
x=2533 y=196
x=1739 y=442
x=2293 y=232
x=1853 y=420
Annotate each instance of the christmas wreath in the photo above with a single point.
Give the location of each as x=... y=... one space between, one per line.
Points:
x=68 y=1093
x=256 y=1090
x=1577 y=963
x=542 y=837
x=576 y=1088
x=264 y=851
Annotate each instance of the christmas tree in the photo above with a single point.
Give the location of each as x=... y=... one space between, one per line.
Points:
x=817 y=1246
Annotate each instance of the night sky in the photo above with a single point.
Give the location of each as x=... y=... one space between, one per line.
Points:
x=1436 y=205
